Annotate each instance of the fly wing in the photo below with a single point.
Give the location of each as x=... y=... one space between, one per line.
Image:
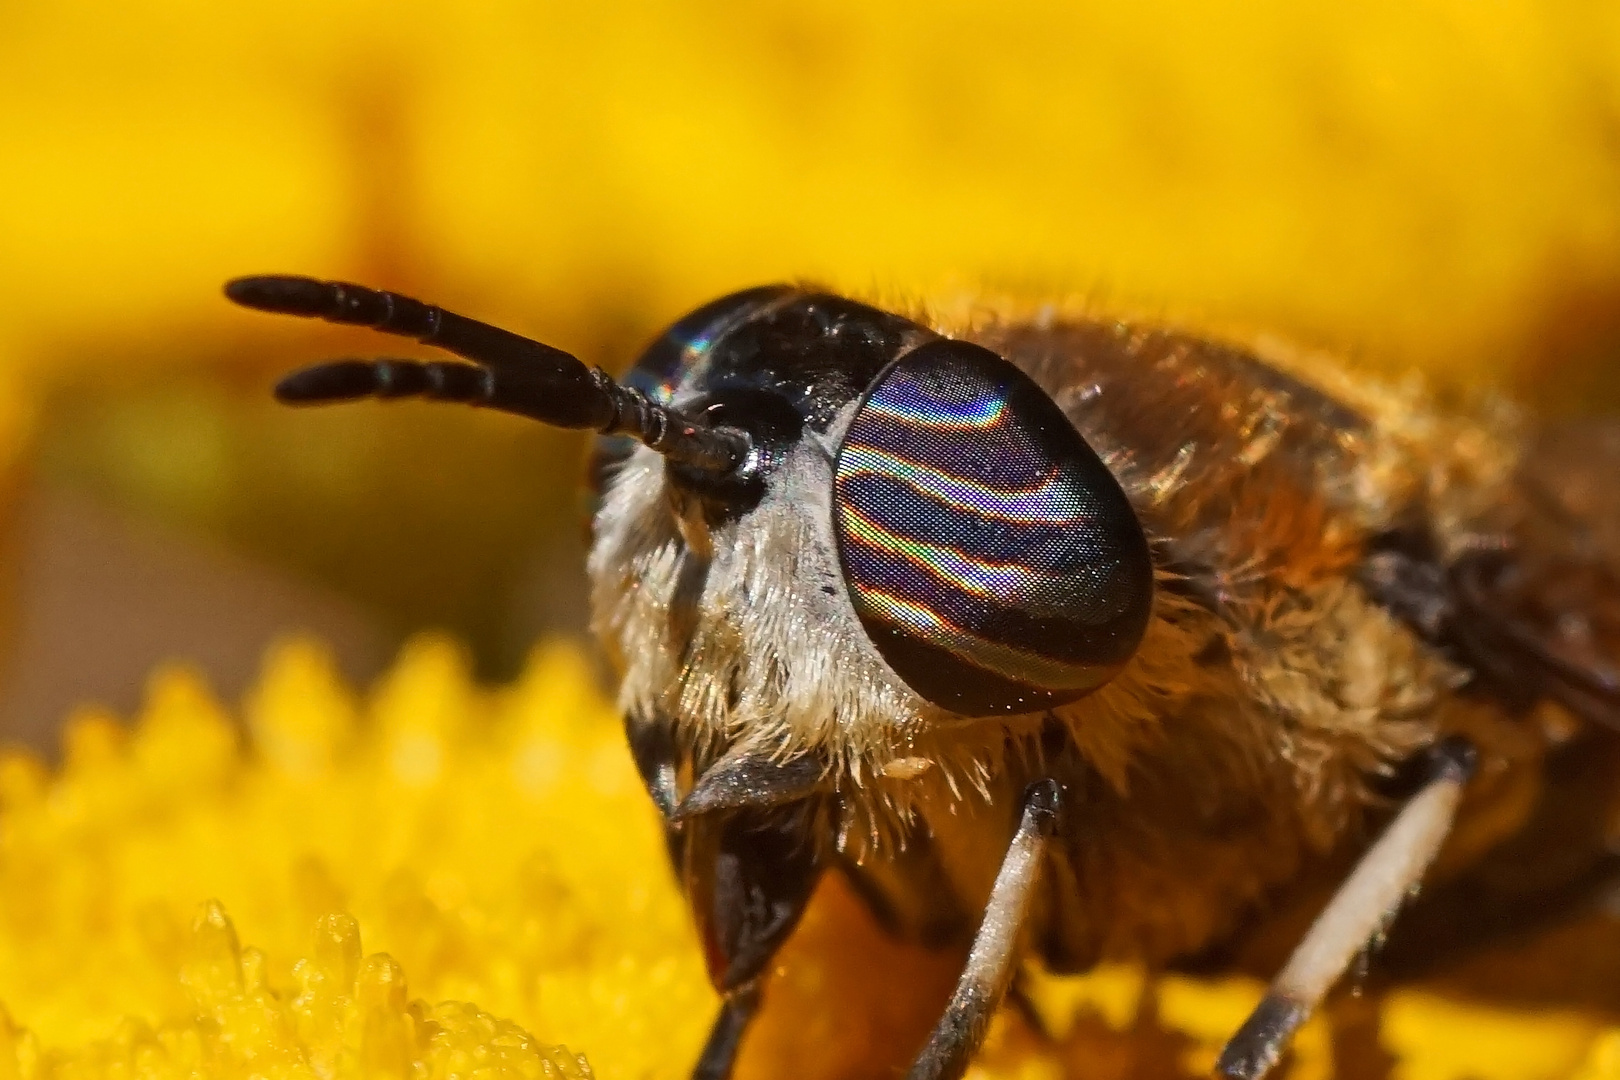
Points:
x=1541 y=613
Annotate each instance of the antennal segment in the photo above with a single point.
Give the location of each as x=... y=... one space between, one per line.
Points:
x=515 y=374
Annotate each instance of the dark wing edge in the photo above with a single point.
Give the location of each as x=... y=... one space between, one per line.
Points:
x=1537 y=613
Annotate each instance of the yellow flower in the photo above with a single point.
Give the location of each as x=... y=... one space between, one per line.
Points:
x=442 y=880
x=490 y=847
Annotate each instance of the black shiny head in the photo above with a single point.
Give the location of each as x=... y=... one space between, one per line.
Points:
x=775 y=362
x=987 y=552
x=990 y=556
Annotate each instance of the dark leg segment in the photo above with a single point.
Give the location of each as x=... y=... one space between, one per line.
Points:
x=720 y=1051
x=1358 y=912
x=992 y=961
x=748 y=877
x=657 y=757
x=753 y=781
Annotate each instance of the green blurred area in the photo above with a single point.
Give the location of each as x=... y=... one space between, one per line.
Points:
x=429 y=517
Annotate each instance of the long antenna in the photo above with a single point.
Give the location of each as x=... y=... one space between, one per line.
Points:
x=514 y=374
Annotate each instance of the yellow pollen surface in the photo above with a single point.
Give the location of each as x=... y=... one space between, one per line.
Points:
x=441 y=880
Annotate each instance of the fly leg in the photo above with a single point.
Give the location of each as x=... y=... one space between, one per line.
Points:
x=750 y=840
x=991 y=961
x=748 y=875
x=725 y=1037
x=1364 y=905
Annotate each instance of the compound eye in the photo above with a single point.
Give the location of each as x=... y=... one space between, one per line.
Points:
x=993 y=559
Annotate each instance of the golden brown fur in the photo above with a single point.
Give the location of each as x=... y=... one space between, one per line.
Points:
x=1233 y=753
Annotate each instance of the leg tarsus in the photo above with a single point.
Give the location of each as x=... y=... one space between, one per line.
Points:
x=1361 y=908
x=1260 y=1042
x=993 y=958
x=725 y=1037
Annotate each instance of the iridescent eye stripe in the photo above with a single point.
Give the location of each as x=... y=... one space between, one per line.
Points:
x=1039 y=593
x=902 y=508
x=992 y=558
x=1010 y=663
x=967 y=414
x=994 y=618
x=1051 y=503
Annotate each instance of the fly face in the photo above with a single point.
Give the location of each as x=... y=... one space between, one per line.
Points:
x=722 y=597
x=920 y=536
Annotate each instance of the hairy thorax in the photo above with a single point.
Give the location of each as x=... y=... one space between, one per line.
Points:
x=1245 y=738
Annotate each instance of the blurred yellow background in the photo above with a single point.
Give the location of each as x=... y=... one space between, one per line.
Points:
x=1429 y=185
x=1421 y=180
x=1433 y=185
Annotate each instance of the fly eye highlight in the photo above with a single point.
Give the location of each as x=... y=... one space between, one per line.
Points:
x=992 y=558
